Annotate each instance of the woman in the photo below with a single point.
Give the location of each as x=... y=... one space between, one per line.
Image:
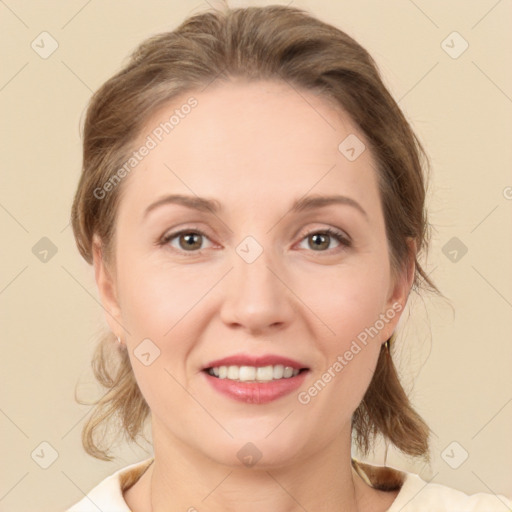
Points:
x=252 y=200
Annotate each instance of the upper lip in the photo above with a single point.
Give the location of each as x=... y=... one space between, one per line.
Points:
x=255 y=360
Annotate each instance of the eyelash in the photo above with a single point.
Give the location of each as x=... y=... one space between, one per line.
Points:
x=343 y=240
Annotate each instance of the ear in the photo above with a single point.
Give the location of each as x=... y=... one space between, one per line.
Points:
x=106 y=284
x=399 y=289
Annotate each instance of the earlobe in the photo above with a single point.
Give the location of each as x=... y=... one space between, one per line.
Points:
x=106 y=288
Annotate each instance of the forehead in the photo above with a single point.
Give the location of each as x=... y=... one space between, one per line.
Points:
x=252 y=141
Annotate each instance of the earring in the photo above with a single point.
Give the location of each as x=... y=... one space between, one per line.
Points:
x=387 y=344
x=119 y=341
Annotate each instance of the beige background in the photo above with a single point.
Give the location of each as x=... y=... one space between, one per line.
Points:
x=459 y=359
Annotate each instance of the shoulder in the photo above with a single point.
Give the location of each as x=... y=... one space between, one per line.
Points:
x=107 y=496
x=417 y=495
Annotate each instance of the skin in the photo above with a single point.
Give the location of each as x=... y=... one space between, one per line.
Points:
x=255 y=148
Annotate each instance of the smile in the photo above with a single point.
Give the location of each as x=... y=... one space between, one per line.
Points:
x=254 y=373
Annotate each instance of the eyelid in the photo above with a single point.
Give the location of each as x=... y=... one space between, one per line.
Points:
x=171 y=235
x=343 y=239
x=326 y=229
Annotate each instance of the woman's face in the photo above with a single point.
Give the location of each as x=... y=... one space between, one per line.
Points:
x=258 y=280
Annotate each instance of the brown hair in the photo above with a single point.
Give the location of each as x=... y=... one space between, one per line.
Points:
x=276 y=43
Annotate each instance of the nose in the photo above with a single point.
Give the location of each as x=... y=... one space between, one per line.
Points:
x=256 y=296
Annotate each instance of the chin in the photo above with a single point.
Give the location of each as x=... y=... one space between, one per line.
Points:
x=258 y=451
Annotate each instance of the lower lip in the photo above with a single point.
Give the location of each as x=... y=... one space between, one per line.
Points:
x=256 y=392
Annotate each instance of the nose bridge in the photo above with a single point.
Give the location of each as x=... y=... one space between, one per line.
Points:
x=255 y=297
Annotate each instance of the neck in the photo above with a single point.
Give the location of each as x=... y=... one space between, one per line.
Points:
x=183 y=480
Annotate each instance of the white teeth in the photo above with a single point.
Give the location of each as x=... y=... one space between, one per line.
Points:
x=253 y=373
x=288 y=372
x=233 y=372
x=278 y=371
x=264 y=373
x=247 y=373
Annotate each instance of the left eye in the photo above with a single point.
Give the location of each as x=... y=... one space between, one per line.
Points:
x=321 y=239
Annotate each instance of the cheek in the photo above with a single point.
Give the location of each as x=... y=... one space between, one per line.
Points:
x=348 y=300
x=165 y=304
x=158 y=305
x=156 y=297
x=350 y=306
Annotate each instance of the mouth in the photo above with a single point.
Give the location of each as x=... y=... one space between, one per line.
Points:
x=267 y=373
x=251 y=368
x=255 y=379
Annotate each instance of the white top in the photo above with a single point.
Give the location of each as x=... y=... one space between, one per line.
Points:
x=415 y=494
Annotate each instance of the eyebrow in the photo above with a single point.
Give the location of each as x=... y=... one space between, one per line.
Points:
x=213 y=206
x=196 y=203
x=311 y=202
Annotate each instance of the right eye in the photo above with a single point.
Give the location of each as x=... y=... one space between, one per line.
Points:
x=185 y=240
